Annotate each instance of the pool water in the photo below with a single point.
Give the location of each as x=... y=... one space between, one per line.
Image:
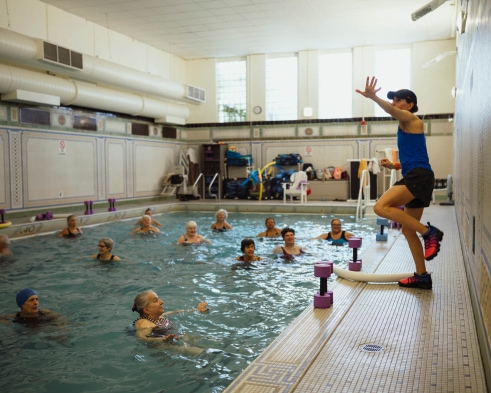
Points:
x=96 y=351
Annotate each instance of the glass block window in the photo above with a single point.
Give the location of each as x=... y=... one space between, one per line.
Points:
x=282 y=88
x=336 y=85
x=231 y=90
x=393 y=71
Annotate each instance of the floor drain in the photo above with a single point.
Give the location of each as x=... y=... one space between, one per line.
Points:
x=371 y=348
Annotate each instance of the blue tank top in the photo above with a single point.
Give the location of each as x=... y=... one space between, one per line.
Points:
x=412 y=151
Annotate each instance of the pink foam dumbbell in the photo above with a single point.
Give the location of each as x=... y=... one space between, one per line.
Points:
x=323 y=298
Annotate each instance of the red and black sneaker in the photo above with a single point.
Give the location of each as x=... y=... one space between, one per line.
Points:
x=422 y=281
x=432 y=239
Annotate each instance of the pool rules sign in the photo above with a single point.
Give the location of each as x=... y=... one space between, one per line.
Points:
x=62 y=147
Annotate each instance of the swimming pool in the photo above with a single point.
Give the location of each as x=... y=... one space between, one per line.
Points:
x=96 y=352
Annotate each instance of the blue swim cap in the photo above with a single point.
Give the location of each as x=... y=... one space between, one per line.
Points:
x=23 y=295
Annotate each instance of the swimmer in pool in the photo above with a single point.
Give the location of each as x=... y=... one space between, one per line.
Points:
x=336 y=236
x=152 y=325
x=72 y=230
x=30 y=314
x=220 y=224
x=106 y=245
x=290 y=249
x=191 y=236
x=270 y=231
x=248 y=248
x=4 y=246
x=148 y=212
x=146 y=227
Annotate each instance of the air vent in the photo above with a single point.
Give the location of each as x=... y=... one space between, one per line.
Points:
x=196 y=94
x=61 y=56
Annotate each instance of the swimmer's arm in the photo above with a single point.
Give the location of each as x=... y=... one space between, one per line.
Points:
x=262 y=234
x=201 y=307
x=155 y=229
x=116 y=258
x=63 y=232
x=155 y=222
x=139 y=222
x=134 y=231
x=202 y=239
x=228 y=226
x=347 y=235
x=6 y=318
x=323 y=237
x=278 y=250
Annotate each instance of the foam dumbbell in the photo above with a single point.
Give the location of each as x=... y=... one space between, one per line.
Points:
x=354 y=242
x=323 y=298
x=381 y=236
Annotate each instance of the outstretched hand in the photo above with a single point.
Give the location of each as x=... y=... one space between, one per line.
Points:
x=170 y=337
x=202 y=307
x=370 y=88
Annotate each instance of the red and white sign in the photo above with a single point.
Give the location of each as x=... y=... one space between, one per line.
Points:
x=308 y=151
x=62 y=147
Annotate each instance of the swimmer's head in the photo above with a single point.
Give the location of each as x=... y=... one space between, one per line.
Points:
x=286 y=230
x=109 y=243
x=4 y=241
x=146 y=217
x=141 y=301
x=148 y=212
x=191 y=224
x=246 y=242
x=269 y=222
x=71 y=217
x=221 y=211
x=23 y=295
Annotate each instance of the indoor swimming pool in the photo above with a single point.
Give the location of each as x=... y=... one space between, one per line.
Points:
x=96 y=350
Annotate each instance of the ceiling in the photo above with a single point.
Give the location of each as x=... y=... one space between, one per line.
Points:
x=193 y=29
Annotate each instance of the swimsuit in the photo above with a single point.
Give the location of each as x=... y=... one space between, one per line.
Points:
x=41 y=318
x=71 y=235
x=256 y=258
x=337 y=242
x=162 y=328
x=275 y=235
x=150 y=231
x=99 y=257
x=288 y=256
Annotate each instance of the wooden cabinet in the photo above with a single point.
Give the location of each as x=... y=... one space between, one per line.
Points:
x=212 y=163
x=329 y=190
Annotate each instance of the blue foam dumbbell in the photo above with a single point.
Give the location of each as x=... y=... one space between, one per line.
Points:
x=383 y=222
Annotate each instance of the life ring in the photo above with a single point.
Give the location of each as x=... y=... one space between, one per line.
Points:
x=5 y=224
x=370 y=277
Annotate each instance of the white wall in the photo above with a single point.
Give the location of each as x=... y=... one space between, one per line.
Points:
x=40 y=20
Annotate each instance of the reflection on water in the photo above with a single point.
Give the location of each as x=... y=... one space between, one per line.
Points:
x=248 y=308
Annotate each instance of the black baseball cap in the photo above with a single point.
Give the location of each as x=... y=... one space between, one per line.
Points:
x=405 y=94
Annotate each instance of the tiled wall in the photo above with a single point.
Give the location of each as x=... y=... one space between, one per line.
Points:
x=473 y=162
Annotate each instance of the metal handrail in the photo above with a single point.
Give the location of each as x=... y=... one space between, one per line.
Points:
x=209 y=187
x=363 y=194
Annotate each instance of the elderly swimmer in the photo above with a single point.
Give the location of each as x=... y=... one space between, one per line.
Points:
x=290 y=249
x=336 y=236
x=191 y=236
x=71 y=230
x=4 y=246
x=152 y=325
x=106 y=245
x=270 y=231
x=146 y=227
x=220 y=224
x=149 y=212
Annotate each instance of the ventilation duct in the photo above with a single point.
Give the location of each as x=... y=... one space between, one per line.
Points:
x=25 y=50
x=87 y=95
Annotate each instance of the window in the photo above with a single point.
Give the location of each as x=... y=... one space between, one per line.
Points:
x=393 y=70
x=335 y=85
x=282 y=88
x=231 y=90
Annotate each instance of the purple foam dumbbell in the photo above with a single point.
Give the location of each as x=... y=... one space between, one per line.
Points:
x=323 y=298
x=354 y=242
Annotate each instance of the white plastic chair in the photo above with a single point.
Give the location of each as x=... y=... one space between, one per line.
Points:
x=297 y=187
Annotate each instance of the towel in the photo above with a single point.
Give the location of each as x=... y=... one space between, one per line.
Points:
x=373 y=166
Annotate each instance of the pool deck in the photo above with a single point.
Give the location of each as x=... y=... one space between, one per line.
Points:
x=420 y=340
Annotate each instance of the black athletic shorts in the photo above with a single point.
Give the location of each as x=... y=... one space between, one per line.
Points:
x=420 y=182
